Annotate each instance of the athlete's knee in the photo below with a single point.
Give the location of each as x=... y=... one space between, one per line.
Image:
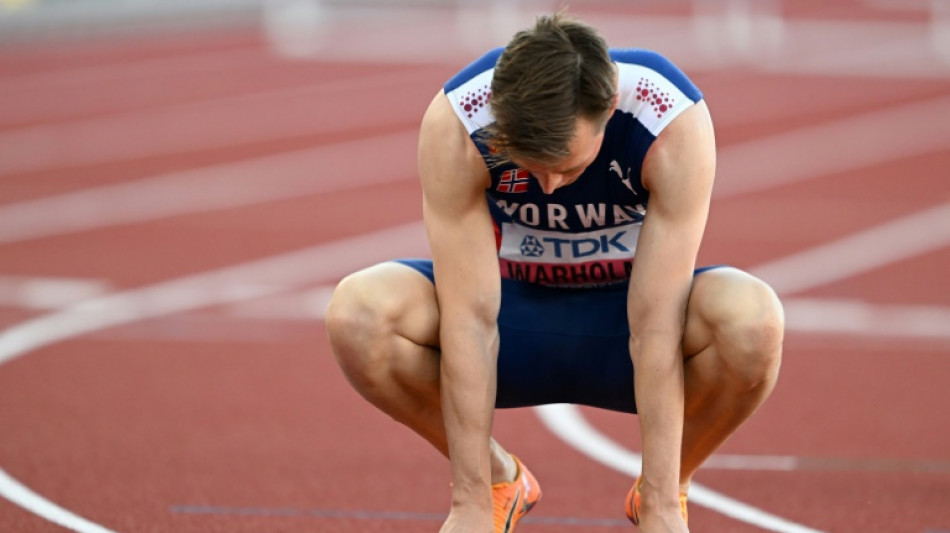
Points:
x=359 y=319
x=748 y=327
x=378 y=321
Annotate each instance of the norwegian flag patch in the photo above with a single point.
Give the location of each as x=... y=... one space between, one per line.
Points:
x=514 y=181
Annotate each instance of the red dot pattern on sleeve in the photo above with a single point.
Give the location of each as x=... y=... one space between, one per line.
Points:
x=651 y=94
x=473 y=101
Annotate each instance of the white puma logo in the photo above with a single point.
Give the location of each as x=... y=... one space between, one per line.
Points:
x=615 y=167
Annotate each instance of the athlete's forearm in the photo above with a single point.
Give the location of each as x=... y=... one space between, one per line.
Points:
x=659 y=390
x=468 y=381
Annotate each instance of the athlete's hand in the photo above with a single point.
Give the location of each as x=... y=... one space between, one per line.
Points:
x=469 y=519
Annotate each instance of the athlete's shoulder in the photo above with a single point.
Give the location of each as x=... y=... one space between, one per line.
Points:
x=652 y=88
x=482 y=65
x=654 y=66
x=446 y=149
x=470 y=89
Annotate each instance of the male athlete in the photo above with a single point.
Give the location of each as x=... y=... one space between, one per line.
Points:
x=566 y=188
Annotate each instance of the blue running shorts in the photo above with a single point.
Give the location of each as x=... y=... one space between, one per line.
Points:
x=561 y=345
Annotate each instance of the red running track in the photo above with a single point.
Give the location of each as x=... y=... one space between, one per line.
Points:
x=229 y=414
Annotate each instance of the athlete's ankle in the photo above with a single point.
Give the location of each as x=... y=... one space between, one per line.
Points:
x=504 y=469
x=684 y=486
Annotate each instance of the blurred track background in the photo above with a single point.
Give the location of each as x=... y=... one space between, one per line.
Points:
x=182 y=183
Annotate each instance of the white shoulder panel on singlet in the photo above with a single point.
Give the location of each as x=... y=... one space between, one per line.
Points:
x=650 y=97
x=470 y=101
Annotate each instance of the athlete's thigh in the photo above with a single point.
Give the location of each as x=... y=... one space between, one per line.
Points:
x=719 y=296
x=564 y=346
x=403 y=294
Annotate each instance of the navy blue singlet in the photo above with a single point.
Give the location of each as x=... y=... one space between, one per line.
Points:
x=565 y=258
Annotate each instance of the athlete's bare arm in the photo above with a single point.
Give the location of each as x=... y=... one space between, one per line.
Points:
x=678 y=171
x=454 y=178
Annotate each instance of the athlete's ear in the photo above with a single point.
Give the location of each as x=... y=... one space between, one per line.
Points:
x=616 y=102
x=610 y=112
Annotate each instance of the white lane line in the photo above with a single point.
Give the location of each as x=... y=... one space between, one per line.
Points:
x=194 y=328
x=20 y=95
x=881 y=49
x=864 y=251
x=79 y=73
x=860 y=141
x=568 y=424
x=805 y=315
x=255 y=279
x=287 y=175
x=779 y=463
x=788 y=463
x=47 y=293
x=230 y=121
x=852 y=318
x=21 y=495
x=815 y=315
x=307 y=305
x=229 y=185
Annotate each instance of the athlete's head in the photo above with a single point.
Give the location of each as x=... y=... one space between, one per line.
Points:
x=553 y=89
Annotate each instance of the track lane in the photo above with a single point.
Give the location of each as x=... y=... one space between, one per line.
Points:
x=283 y=480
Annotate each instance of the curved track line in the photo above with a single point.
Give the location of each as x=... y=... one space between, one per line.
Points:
x=21 y=495
x=798 y=272
x=567 y=423
x=256 y=279
x=253 y=280
x=228 y=285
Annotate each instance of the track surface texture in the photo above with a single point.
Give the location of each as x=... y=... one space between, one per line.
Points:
x=176 y=205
